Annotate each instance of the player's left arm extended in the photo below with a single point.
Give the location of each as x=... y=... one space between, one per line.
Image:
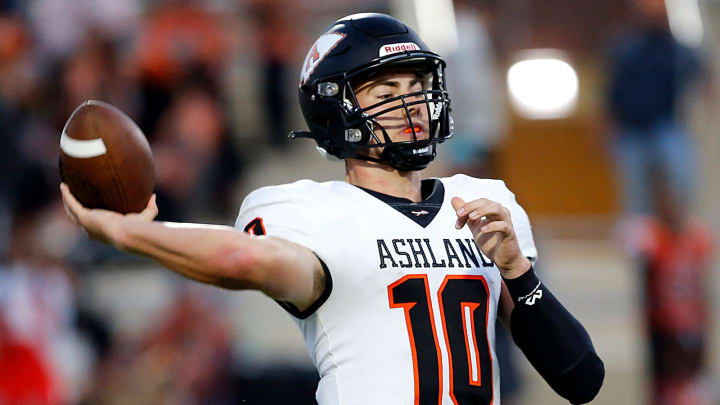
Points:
x=554 y=342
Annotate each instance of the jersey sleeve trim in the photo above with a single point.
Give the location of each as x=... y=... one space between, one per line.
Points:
x=294 y=311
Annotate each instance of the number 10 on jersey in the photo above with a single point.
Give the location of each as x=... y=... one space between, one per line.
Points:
x=463 y=303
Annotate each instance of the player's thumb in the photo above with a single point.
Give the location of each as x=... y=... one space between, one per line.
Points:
x=457 y=202
x=151 y=210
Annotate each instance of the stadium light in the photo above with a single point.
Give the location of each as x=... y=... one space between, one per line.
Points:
x=685 y=21
x=542 y=85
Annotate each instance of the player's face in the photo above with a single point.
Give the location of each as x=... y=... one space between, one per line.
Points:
x=396 y=122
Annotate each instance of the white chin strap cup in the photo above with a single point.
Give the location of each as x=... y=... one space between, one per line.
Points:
x=326 y=155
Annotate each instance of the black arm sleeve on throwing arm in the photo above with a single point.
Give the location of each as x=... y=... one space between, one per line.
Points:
x=554 y=342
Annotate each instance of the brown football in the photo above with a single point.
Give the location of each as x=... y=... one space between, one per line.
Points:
x=105 y=159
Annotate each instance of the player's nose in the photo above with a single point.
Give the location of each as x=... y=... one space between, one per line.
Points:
x=416 y=107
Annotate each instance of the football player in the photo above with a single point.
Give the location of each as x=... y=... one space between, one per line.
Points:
x=394 y=281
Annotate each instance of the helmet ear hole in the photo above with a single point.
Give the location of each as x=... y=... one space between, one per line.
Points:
x=321 y=120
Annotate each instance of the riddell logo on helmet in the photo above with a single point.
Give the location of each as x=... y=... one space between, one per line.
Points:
x=395 y=48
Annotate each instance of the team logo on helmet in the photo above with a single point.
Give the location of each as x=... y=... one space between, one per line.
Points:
x=322 y=47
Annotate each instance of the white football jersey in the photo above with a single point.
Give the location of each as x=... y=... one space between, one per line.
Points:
x=408 y=314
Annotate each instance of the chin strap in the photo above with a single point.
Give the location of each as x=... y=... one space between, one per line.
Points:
x=400 y=161
x=401 y=158
x=405 y=158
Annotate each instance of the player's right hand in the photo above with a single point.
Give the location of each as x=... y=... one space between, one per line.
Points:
x=103 y=225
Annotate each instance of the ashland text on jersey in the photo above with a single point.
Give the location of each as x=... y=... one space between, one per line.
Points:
x=415 y=252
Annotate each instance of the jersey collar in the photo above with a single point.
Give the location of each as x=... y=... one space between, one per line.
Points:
x=423 y=212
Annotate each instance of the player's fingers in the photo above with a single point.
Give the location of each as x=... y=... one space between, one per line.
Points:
x=69 y=213
x=476 y=218
x=72 y=206
x=460 y=222
x=498 y=226
x=151 y=210
x=480 y=209
x=473 y=205
x=476 y=209
x=457 y=204
x=153 y=203
x=486 y=208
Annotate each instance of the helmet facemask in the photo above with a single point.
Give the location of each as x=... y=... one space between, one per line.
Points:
x=365 y=132
x=413 y=154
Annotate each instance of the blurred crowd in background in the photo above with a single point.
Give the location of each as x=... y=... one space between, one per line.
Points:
x=212 y=85
x=172 y=66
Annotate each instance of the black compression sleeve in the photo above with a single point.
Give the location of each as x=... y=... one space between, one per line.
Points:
x=554 y=342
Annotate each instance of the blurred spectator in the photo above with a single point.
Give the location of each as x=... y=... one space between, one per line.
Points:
x=656 y=165
x=55 y=54
x=182 y=52
x=37 y=302
x=196 y=162
x=95 y=70
x=61 y=26
x=278 y=46
x=7 y=6
x=184 y=359
x=178 y=41
x=24 y=377
x=8 y=29
x=650 y=71
x=17 y=88
x=477 y=102
x=674 y=252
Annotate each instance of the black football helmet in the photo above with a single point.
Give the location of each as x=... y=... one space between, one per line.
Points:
x=350 y=51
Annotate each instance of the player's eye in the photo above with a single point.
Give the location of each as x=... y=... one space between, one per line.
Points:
x=384 y=96
x=416 y=86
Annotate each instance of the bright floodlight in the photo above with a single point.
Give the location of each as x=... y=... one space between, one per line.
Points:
x=543 y=87
x=685 y=21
